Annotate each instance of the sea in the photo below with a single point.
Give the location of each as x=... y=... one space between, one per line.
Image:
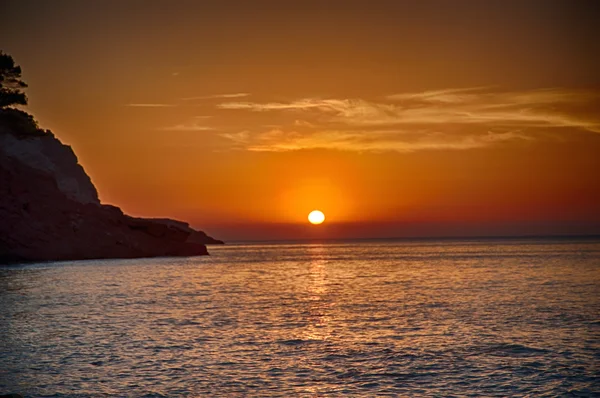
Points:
x=395 y=318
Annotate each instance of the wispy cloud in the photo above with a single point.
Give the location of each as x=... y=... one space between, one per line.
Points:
x=192 y=125
x=216 y=96
x=448 y=119
x=274 y=106
x=178 y=104
x=303 y=123
x=278 y=140
x=443 y=96
x=151 y=105
x=509 y=99
x=534 y=108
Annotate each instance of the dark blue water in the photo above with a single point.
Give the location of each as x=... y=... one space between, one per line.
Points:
x=448 y=318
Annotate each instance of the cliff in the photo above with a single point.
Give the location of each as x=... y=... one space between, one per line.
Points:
x=50 y=211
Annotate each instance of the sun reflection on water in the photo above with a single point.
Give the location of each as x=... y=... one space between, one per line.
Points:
x=319 y=303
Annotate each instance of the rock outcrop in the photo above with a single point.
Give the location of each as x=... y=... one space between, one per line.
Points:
x=50 y=211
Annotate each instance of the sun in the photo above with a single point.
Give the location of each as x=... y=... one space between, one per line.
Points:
x=316 y=217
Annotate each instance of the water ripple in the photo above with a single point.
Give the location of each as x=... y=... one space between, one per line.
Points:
x=461 y=319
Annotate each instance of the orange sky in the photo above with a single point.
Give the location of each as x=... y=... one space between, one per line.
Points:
x=429 y=118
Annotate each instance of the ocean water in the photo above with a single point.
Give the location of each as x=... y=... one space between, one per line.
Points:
x=404 y=318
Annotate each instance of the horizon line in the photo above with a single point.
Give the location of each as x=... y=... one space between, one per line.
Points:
x=418 y=238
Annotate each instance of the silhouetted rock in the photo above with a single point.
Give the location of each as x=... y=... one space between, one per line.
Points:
x=50 y=211
x=195 y=236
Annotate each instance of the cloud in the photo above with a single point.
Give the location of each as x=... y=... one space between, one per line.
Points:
x=448 y=119
x=272 y=106
x=151 y=105
x=303 y=123
x=278 y=140
x=203 y=97
x=166 y=105
x=192 y=125
x=442 y=96
x=548 y=108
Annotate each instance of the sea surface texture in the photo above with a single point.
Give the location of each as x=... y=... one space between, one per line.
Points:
x=397 y=318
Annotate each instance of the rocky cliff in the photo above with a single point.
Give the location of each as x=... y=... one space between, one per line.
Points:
x=50 y=211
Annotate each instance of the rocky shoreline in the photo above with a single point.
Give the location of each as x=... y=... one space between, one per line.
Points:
x=50 y=210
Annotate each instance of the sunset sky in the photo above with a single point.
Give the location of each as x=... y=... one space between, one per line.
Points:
x=395 y=118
